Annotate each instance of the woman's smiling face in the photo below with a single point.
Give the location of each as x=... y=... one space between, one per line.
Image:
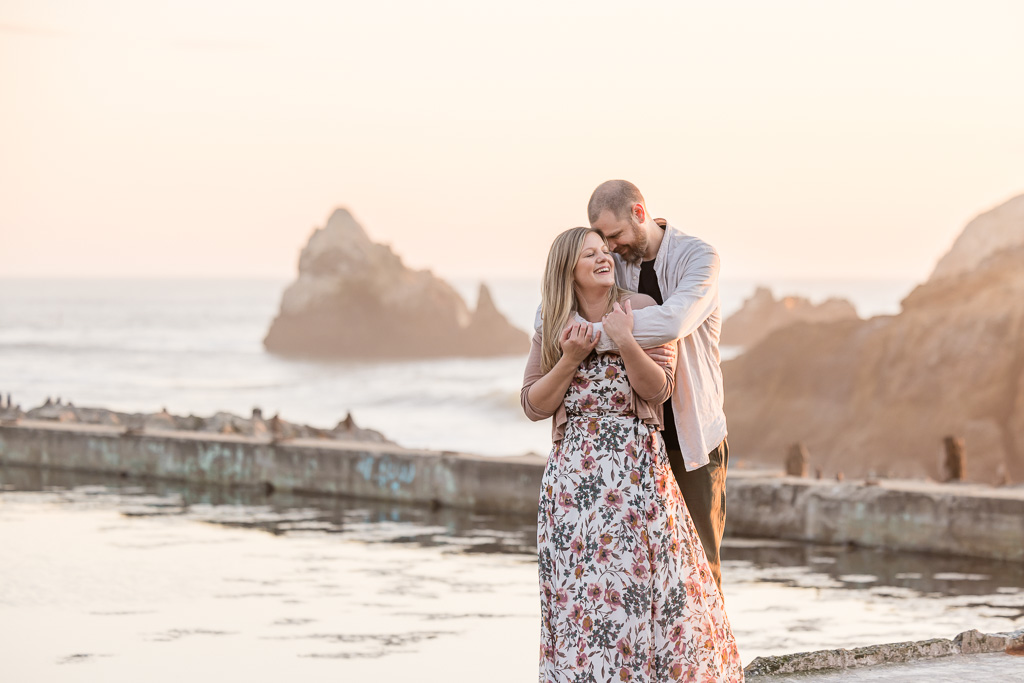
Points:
x=595 y=267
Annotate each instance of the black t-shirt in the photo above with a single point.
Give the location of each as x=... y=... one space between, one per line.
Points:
x=649 y=286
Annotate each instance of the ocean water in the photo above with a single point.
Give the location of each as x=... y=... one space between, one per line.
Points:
x=195 y=346
x=102 y=579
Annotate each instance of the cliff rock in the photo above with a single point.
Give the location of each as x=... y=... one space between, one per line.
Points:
x=879 y=395
x=762 y=314
x=355 y=299
x=999 y=228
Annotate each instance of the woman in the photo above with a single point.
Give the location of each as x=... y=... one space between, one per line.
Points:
x=627 y=593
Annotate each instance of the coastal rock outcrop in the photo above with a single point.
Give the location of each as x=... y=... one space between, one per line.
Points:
x=994 y=230
x=219 y=423
x=355 y=299
x=878 y=396
x=762 y=314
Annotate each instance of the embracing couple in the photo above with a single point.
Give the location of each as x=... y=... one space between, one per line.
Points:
x=632 y=505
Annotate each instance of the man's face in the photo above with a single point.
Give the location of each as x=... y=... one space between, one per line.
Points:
x=625 y=237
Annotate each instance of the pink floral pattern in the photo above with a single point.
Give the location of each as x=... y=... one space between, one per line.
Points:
x=626 y=590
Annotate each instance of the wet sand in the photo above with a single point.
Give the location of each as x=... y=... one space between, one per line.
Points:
x=103 y=581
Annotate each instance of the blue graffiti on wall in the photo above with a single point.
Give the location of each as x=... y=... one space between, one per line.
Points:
x=388 y=475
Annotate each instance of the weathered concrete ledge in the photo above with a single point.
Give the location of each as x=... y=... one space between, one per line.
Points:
x=365 y=470
x=957 y=519
x=967 y=643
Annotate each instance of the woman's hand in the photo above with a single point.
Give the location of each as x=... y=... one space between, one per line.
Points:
x=619 y=323
x=577 y=341
x=543 y=392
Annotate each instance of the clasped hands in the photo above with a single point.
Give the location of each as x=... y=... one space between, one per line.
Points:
x=578 y=339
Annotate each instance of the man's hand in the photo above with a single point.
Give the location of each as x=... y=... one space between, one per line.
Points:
x=619 y=323
x=664 y=355
x=577 y=341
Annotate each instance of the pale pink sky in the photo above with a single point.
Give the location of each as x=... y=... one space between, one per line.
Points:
x=208 y=137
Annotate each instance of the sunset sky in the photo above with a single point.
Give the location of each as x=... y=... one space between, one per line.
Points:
x=208 y=138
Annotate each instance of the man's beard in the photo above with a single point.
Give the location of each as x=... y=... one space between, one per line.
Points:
x=634 y=253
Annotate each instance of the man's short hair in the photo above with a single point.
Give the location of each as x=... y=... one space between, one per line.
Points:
x=617 y=196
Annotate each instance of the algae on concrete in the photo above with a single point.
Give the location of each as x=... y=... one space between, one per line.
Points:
x=966 y=643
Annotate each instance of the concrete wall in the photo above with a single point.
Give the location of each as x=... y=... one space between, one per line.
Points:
x=956 y=519
x=904 y=515
x=366 y=470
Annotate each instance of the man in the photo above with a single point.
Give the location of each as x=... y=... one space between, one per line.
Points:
x=681 y=273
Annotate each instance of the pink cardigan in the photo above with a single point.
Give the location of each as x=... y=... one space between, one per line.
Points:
x=648 y=409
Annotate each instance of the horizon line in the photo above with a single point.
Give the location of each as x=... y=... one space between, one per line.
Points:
x=481 y=278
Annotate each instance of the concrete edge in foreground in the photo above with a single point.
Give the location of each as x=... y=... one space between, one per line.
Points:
x=966 y=643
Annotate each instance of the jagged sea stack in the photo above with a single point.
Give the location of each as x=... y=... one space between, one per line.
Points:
x=355 y=299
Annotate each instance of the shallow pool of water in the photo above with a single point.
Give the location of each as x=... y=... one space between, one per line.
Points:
x=107 y=580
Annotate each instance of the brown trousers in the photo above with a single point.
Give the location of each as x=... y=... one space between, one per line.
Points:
x=704 y=492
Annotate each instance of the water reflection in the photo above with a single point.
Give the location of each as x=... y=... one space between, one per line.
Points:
x=281 y=513
x=374 y=587
x=859 y=569
x=841 y=566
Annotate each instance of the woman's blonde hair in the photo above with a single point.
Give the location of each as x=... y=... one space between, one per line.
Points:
x=559 y=298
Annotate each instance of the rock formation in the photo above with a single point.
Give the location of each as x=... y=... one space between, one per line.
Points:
x=880 y=395
x=996 y=229
x=762 y=314
x=219 y=423
x=355 y=299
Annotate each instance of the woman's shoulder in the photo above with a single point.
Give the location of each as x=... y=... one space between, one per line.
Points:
x=637 y=300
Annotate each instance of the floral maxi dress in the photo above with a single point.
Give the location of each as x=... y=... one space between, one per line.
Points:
x=626 y=590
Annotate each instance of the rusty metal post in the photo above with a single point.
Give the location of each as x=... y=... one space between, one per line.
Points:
x=796 y=461
x=956 y=459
